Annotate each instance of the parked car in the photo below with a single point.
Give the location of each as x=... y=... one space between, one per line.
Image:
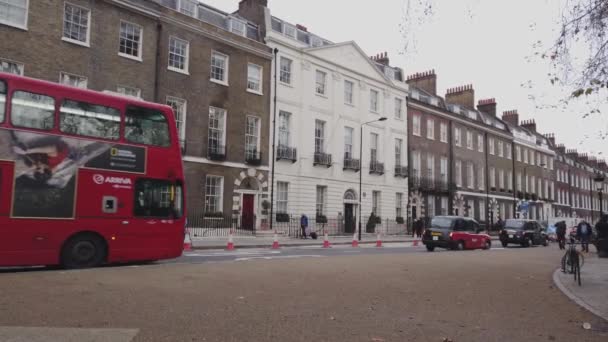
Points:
x=526 y=233
x=454 y=232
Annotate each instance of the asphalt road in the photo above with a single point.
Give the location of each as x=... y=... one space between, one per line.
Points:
x=304 y=294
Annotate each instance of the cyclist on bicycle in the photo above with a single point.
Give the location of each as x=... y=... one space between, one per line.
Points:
x=583 y=233
x=560 y=231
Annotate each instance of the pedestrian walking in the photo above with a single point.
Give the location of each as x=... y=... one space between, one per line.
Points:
x=560 y=231
x=304 y=225
x=418 y=225
x=583 y=233
x=602 y=227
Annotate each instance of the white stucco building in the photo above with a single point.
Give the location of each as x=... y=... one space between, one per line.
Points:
x=325 y=93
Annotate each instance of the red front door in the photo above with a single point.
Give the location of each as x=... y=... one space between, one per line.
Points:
x=248 y=215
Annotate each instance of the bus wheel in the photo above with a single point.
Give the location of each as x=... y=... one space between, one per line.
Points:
x=83 y=251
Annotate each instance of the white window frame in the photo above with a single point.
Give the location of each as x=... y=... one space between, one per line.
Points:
x=140 y=49
x=186 y=68
x=320 y=126
x=471 y=175
x=510 y=180
x=348 y=143
x=491 y=149
x=501 y=179
x=282 y=197
x=226 y=68
x=63 y=75
x=124 y=90
x=525 y=154
x=479 y=142
x=508 y=151
x=257 y=134
x=86 y=43
x=443 y=132
x=284 y=116
x=416 y=129
x=24 y=26
x=430 y=166
x=398 y=152
x=443 y=169
x=224 y=112
x=220 y=208
x=458 y=173
x=18 y=65
x=233 y=29
x=518 y=153
x=181 y=123
x=288 y=73
x=457 y=137
x=349 y=98
x=444 y=206
x=377 y=203
x=430 y=128
x=374 y=101
x=258 y=91
x=492 y=177
x=182 y=9
x=321 y=200
x=481 y=177
x=469 y=140
x=500 y=148
x=399 y=204
x=398 y=108
x=321 y=85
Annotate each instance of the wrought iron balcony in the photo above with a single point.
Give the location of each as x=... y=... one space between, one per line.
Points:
x=351 y=164
x=401 y=171
x=287 y=153
x=323 y=159
x=216 y=152
x=376 y=167
x=429 y=184
x=253 y=157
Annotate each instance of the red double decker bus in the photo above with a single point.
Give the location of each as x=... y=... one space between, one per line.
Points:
x=86 y=178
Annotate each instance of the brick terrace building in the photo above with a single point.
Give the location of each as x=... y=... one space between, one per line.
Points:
x=210 y=66
x=460 y=157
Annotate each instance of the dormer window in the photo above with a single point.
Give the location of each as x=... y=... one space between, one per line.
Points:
x=389 y=72
x=315 y=41
x=238 y=27
x=289 y=31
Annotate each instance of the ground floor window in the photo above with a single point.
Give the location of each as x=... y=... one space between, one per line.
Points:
x=321 y=200
x=444 y=206
x=430 y=208
x=399 y=204
x=282 y=197
x=376 y=203
x=213 y=194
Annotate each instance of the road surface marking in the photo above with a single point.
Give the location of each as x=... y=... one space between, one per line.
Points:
x=41 y=334
x=278 y=257
x=226 y=253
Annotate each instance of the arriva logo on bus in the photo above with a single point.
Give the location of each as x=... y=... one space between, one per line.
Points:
x=100 y=179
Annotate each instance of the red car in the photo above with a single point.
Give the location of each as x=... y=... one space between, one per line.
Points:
x=454 y=232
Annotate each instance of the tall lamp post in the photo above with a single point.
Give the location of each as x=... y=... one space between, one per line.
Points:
x=361 y=168
x=599 y=185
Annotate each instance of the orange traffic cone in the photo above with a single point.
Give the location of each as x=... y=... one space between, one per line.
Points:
x=230 y=246
x=378 y=241
x=326 y=243
x=355 y=240
x=275 y=243
x=187 y=241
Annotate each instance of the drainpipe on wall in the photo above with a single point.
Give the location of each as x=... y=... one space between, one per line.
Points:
x=450 y=169
x=159 y=31
x=487 y=176
x=513 y=179
x=274 y=134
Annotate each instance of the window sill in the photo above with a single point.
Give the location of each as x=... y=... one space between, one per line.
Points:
x=286 y=84
x=430 y=138
x=349 y=104
x=219 y=82
x=374 y=112
x=77 y=42
x=255 y=92
x=133 y=58
x=416 y=135
x=179 y=71
x=7 y=23
x=321 y=95
x=400 y=119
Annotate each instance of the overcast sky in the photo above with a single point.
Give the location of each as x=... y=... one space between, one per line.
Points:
x=486 y=43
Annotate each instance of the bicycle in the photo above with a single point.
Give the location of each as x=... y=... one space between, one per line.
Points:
x=572 y=261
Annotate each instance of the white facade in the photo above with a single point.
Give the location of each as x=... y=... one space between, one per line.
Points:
x=321 y=119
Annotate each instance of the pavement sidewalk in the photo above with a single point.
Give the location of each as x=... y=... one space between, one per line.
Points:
x=266 y=241
x=592 y=294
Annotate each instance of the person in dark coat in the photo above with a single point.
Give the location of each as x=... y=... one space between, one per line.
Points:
x=583 y=233
x=560 y=231
x=304 y=225
x=602 y=228
x=418 y=225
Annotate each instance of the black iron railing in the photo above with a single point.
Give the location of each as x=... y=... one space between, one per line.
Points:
x=323 y=159
x=287 y=153
x=376 y=167
x=253 y=157
x=401 y=171
x=351 y=164
x=216 y=152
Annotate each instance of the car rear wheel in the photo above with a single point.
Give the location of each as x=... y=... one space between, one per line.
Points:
x=83 y=251
x=487 y=245
x=430 y=248
x=460 y=246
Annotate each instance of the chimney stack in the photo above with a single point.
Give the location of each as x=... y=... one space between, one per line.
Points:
x=487 y=106
x=561 y=148
x=572 y=154
x=382 y=59
x=511 y=117
x=463 y=96
x=426 y=81
x=551 y=138
x=255 y=12
x=529 y=125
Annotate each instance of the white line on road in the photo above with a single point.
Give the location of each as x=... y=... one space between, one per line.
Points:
x=278 y=257
x=35 y=334
x=228 y=253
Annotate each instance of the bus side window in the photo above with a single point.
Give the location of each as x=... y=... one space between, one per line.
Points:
x=153 y=198
x=89 y=120
x=32 y=110
x=2 y=100
x=146 y=126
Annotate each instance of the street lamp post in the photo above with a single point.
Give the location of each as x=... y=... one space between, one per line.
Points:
x=361 y=167
x=599 y=185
